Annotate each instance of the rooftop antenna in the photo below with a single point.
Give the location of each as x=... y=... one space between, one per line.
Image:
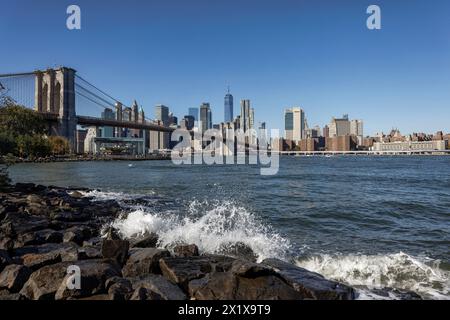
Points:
x=228 y=88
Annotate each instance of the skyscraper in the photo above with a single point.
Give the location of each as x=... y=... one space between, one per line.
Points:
x=288 y=124
x=162 y=114
x=228 y=114
x=357 y=129
x=194 y=113
x=108 y=114
x=339 y=127
x=245 y=115
x=205 y=117
x=295 y=124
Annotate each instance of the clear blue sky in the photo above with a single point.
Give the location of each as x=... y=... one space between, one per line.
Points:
x=315 y=54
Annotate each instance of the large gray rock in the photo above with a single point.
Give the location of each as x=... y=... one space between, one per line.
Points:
x=68 y=251
x=119 y=288
x=309 y=284
x=116 y=250
x=143 y=261
x=238 y=250
x=181 y=270
x=23 y=223
x=43 y=283
x=146 y=241
x=151 y=286
x=89 y=252
x=94 y=274
x=77 y=234
x=4 y=259
x=5 y=295
x=229 y=286
x=14 y=277
x=39 y=237
x=142 y=294
x=71 y=216
x=186 y=250
x=36 y=257
x=35 y=261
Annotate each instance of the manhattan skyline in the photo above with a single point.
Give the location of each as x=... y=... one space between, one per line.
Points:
x=315 y=55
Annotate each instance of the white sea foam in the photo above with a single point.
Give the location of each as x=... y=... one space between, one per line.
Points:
x=399 y=271
x=105 y=196
x=211 y=226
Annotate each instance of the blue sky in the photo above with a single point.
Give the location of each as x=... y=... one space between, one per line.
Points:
x=315 y=54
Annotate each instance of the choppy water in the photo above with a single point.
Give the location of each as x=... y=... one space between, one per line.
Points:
x=371 y=222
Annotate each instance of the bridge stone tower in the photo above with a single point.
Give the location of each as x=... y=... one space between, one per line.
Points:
x=55 y=94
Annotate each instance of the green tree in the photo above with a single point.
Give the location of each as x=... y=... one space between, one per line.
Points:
x=59 y=145
x=32 y=146
x=17 y=120
x=7 y=143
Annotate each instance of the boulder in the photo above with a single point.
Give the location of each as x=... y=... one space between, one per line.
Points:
x=67 y=251
x=190 y=250
x=35 y=261
x=94 y=274
x=39 y=237
x=22 y=223
x=93 y=242
x=6 y=243
x=5 y=295
x=43 y=283
x=238 y=250
x=33 y=198
x=151 y=286
x=142 y=294
x=143 y=261
x=309 y=284
x=228 y=286
x=4 y=259
x=249 y=269
x=181 y=270
x=14 y=277
x=89 y=252
x=71 y=216
x=77 y=234
x=147 y=241
x=7 y=230
x=116 y=250
x=118 y=288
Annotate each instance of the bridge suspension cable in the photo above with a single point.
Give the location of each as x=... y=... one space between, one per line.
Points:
x=18 y=87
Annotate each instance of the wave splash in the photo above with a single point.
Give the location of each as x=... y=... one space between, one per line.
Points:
x=97 y=195
x=400 y=271
x=212 y=226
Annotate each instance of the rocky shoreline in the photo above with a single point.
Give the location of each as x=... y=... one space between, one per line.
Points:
x=46 y=230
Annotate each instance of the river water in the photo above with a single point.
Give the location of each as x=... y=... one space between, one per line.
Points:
x=371 y=222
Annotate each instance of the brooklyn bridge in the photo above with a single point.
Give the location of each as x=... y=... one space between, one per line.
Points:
x=69 y=102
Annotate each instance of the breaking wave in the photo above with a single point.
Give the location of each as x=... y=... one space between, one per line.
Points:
x=400 y=271
x=212 y=226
